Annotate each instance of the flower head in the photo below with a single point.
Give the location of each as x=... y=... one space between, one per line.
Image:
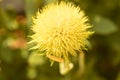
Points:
x=60 y=30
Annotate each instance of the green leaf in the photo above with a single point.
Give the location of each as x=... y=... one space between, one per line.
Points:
x=35 y=59
x=103 y=26
x=114 y=43
x=6 y=55
x=31 y=73
x=50 y=1
x=31 y=7
x=9 y=23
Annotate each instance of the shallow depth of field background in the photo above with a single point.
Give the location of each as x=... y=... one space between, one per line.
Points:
x=102 y=60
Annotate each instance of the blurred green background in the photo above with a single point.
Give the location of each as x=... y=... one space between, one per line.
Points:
x=102 y=60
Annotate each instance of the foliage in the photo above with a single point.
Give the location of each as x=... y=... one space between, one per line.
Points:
x=102 y=60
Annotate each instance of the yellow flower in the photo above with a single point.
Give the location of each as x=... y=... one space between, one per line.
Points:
x=60 y=30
